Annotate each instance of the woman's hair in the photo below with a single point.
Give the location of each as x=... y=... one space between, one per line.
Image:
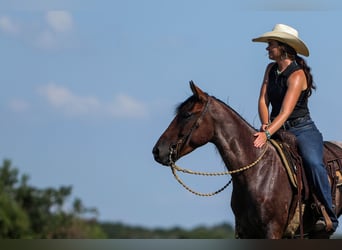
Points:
x=291 y=53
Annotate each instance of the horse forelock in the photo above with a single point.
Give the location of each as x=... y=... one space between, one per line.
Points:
x=188 y=104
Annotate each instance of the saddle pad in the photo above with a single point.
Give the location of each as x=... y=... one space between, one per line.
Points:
x=289 y=169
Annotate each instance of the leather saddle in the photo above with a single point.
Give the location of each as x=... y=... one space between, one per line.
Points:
x=286 y=145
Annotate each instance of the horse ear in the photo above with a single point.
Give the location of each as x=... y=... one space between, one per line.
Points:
x=197 y=91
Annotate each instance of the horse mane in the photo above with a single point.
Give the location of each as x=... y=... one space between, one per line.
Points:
x=233 y=110
x=190 y=102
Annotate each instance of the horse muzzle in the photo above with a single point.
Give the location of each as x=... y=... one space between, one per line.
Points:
x=165 y=155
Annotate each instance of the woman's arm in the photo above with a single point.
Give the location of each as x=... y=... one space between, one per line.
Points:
x=296 y=84
x=263 y=104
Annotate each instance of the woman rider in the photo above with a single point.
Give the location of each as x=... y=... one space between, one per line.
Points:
x=287 y=85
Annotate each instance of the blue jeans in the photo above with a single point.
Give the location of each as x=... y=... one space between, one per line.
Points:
x=310 y=144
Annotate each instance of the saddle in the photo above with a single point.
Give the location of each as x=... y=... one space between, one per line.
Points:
x=286 y=145
x=332 y=160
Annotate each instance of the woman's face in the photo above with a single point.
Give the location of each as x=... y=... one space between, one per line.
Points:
x=273 y=49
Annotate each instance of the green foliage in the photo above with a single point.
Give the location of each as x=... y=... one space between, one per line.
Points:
x=30 y=212
x=121 y=231
x=14 y=222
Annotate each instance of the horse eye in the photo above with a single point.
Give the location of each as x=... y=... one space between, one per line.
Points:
x=187 y=115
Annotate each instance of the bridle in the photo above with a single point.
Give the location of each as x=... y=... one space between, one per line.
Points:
x=174 y=152
x=178 y=146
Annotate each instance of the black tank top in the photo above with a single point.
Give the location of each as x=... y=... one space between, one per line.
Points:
x=276 y=90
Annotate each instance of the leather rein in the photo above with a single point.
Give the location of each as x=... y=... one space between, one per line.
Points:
x=174 y=152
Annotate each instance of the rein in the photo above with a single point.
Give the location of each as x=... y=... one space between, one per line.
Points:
x=175 y=168
x=174 y=149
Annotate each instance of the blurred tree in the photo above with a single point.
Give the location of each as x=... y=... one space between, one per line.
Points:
x=121 y=231
x=14 y=222
x=30 y=212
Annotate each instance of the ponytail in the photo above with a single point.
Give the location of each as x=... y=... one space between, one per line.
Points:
x=307 y=70
x=291 y=53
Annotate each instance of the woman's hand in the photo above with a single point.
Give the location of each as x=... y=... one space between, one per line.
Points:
x=260 y=139
x=263 y=127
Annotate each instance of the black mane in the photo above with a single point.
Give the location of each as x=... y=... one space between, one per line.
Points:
x=190 y=102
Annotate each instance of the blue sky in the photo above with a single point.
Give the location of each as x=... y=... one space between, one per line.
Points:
x=89 y=86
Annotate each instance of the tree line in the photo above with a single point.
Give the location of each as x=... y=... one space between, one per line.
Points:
x=121 y=231
x=28 y=212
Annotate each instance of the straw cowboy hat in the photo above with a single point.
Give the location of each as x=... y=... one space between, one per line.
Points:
x=285 y=34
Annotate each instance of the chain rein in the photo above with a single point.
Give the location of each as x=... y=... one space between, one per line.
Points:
x=175 y=168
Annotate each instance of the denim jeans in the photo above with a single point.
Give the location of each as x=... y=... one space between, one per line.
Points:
x=310 y=144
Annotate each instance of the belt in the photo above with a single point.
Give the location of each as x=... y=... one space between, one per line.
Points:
x=294 y=122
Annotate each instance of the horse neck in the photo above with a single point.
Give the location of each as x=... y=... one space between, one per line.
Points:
x=233 y=137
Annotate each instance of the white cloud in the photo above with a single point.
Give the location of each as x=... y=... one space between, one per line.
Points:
x=58 y=32
x=8 y=26
x=64 y=100
x=126 y=106
x=53 y=30
x=18 y=105
x=59 y=20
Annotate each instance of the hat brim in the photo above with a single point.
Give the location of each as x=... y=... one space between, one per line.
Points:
x=289 y=39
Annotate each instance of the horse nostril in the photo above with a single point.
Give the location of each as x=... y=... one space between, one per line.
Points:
x=155 y=152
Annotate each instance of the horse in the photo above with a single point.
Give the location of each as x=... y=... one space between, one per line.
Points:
x=262 y=197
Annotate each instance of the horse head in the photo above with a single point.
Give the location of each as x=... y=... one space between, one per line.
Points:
x=191 y=128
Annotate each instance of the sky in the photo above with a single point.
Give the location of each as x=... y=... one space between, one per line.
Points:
x=87 y=88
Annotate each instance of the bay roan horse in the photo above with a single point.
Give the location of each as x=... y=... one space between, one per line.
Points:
x=262 y=195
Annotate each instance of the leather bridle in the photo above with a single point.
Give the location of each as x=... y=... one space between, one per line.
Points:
x=179 y=145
